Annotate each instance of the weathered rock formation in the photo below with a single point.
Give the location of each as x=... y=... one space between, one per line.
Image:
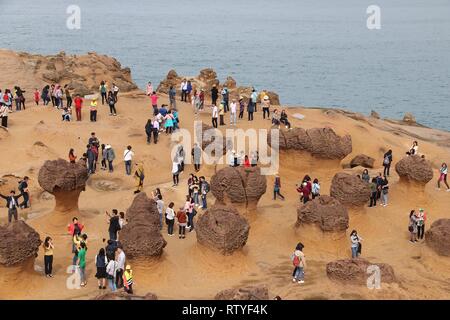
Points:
x=375 y=115
x=222 y=228
x=325 y=211
x=409 y=118
x=349 y=189
x=141 y=236
x=120 y=295
x=244 y=293
x=19 y=244
x=414 y=169
x=363 y=161
x=243 y=186
x=65 y=181
x=438 y=237
x=322 y=143
x=354 y=271
x=83 y=73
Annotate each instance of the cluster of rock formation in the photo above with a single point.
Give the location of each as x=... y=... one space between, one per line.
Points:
x=19 y=244
x=65 y=181
x=354 y=271
x=322 y=143
x=121 y=295
x=363 y=161
x=438 y=237
x=414 y=169
x=349 y=189
x=141 y=236
x=206 y=80
x=326 y=212
x=244 y=293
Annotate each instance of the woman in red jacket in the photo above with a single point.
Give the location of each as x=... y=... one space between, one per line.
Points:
x=182 y=221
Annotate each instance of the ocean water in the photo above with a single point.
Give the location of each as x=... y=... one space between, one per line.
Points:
x=313 y=53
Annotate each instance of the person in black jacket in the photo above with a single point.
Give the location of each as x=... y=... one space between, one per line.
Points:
x=387 y=160
x=149 y=130
x=12 y=202
x=114 y=225
x=23 y=188
x=214 y=95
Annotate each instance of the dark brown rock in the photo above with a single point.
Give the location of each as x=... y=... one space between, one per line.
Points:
x=325 y=211
x=438 y=237
x=65 y=181
x=244 y=293
x=19 y=243
x=354 y=271
x=141 y=236
x=349 y=189
x=374 y=114
x=363 y=161
x=239 y=185
x=120 y=295
x=415 y=169
x=172 y=79
x=222 y=228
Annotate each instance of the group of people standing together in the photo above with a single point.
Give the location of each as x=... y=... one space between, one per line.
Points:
x=6 y=103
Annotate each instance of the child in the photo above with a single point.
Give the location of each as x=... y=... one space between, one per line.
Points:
x=128 y=280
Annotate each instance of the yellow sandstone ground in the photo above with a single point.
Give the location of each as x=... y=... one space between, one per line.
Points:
x=189 y=271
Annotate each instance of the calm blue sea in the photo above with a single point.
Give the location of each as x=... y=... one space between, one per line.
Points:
x=313 y=53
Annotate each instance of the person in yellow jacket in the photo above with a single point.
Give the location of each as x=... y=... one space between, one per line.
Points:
x=128 y=280
x=221 y=113
x=93 y=110
x=139 y=177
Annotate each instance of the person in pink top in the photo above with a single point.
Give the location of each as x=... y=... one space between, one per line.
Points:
x=149 y=89
x=154 y=98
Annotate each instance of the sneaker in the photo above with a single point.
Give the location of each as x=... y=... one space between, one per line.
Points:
x=50 y=275
x=301 y=281
x=294 y=280
x=411 y=241
x=100 y=287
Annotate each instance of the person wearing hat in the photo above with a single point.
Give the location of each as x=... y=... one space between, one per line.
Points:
x=93 y=110
x=265 y=107
x=128 y=279
x=421 y=218
x=110 y=156
x=299 y=262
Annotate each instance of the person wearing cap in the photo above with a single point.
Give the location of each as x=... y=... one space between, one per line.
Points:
x=299 y=261
x=233 y=110
x=93 y=110
x=128 y=279
x=265 y=107
x=110 y=156
x=421 y=218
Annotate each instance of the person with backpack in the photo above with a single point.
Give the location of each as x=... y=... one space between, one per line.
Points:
x=384 y=192
x=139 y=177
x=204 y=190
x=110 y=156
x=101 y=262
x=355 y=244
x=128 y=280
x=112 y=104
x=387 y=160
x=299 y=261
x=4 y=113
x=114 y=225
x=170 y=216
x=103 y=91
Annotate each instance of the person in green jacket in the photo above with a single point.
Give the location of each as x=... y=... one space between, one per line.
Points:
x=82 y=263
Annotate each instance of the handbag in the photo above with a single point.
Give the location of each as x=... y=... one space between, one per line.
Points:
x=410 y=229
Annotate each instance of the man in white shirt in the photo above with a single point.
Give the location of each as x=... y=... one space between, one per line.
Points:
x=155 y=130
x=128 y=157
x=183 y=88
x=120 y=267
x=215 y=115
x=233 y=107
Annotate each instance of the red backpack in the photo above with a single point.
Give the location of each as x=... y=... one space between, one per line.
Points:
x=296 y=261
x=6 y=98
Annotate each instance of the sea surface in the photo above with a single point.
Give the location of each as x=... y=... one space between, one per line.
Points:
x=313 y=53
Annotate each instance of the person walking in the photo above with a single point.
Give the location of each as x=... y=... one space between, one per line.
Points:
x=112 y=104
x=24 y=192
x=114 y=224
x=412 y=226
x=48 y=257
x=170 y=216
x=139 y=177
x=110 y=156
x=277 y=187
x=299 y=261
x=101 y=262
x=387 y=160
x=128 y=155
x=175 y=172
x=81 y=263
x=355 y=244
x=214 y=115
x=12 y=203
x=93 y=110
x=443 y=171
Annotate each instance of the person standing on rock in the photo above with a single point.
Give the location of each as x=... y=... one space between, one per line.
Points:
x=373 y=193
x=355 y=244
x=23 y=188
x=387 y=160
x=12 y=203
x=277 y=187
x=365 y=176
x=110 y=156
x=214 y=115
x=315 y=192
x=160 y=207
x=170 y=216
x=128 y=155
x=91 y=159
x=412 y=227
x=172 y=98
x=214 y=94
x=103 y=91
x=284 y=119
x=421 y=219
x=299 y=261
x=139 y=177
x=384 y=192
x=48 y=257
x=443 y=172
x=149 y=88
x=114 y=225
x=78 y=105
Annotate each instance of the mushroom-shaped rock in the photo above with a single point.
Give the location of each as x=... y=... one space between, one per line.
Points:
x=355 y=271
x=322 y=143
x=349 y=189
x=409 y=118
x=325 y=211
x=438 y=237
x=212 y=140
x=239 y=185
x=172 y=79
x=65 y=181
x=19 y=244
x=125 y=296
x=222 y=228
x=363 y=161
x=244 y=293
x=414 y=168
x=141 y=236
